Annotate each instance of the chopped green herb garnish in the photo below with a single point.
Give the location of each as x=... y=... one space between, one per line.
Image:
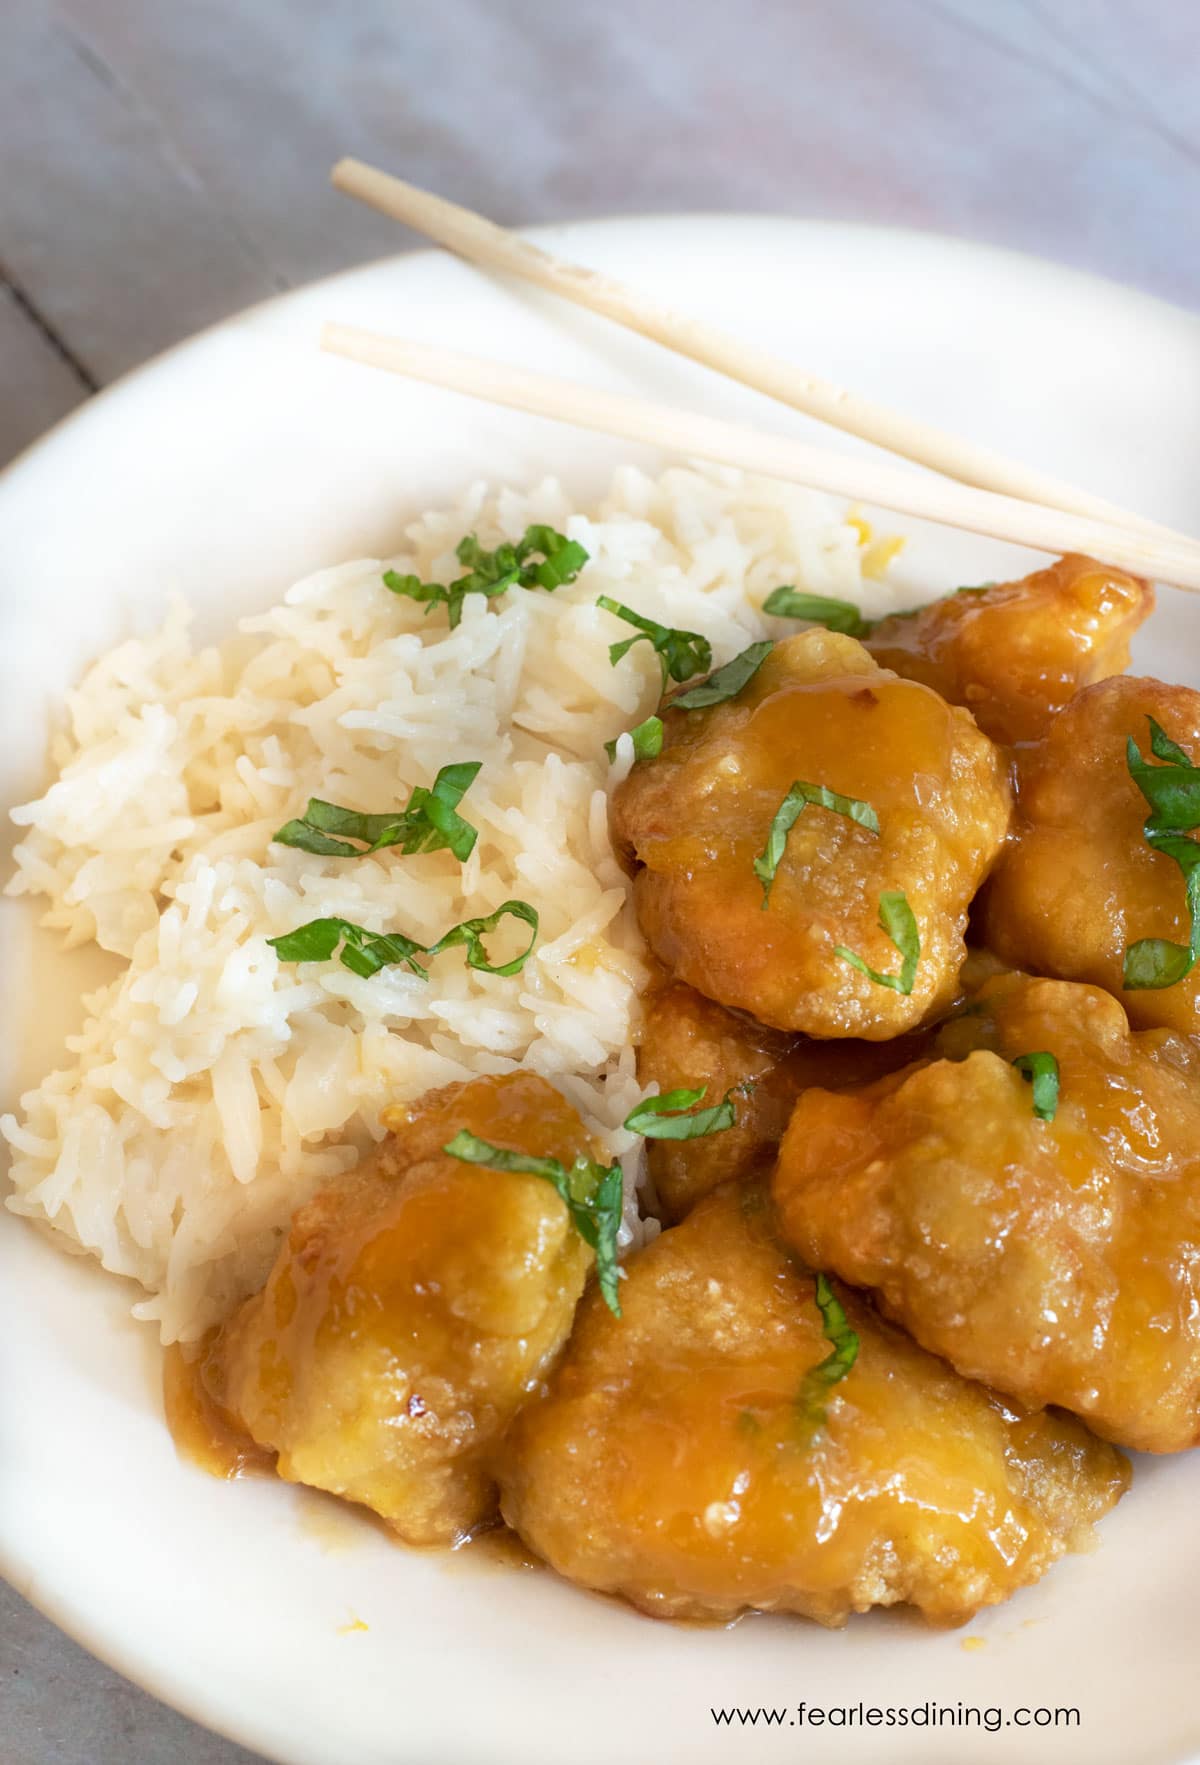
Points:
x=647 y=740
x=1172 y=790
x=810 y=1399
x=790 y=811
x=471 y=933
x=897 y=919
x=1042 y=1069
x=428 y=823
x=491 y=573
x=435 y=594
x=725 y=683
x=593 y=1194
x=818 y=609
x=844 y=616
x=680 y=653
x=673 y=1115
x=560 y=563
x=361 y=951
x=365 y=952
x=915 y=612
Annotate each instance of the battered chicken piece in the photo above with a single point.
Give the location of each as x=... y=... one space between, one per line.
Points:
x=1054 y=1259
x=415 y=1306
x=1079 y=883
x=689 y=1041
x=818 y=711
x=1014 y=653
x=672 y=1462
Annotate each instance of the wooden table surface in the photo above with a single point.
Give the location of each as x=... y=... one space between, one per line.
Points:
x=165 y=164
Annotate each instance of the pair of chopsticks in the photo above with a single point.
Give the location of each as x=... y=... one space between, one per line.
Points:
x=992 y=495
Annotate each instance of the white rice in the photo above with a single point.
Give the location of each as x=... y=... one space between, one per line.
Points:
x=214 y=1087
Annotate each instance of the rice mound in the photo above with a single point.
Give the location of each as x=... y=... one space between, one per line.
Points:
x=214 y=1087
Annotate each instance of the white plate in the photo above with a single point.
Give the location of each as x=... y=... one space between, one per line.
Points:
x=242 y=461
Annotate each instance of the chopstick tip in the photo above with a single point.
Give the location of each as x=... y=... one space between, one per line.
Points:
x=342 y=174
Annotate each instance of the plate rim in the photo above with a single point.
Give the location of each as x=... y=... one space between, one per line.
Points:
x=549 y=233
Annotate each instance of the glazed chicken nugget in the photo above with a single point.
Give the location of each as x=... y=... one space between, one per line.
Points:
x=820 y=715
x=688 y=1041
x=1014 y=653
x=688 y=1458
x=415 y=1305
x=1053 y=1254
x=1079 y=883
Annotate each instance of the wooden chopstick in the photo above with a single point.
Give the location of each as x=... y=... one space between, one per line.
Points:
x=471 y=236
x=775 y=456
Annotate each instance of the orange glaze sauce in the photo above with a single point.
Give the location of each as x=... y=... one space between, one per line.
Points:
x=203 y=1431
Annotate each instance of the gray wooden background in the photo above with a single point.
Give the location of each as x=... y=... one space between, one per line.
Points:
x=163 y=163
